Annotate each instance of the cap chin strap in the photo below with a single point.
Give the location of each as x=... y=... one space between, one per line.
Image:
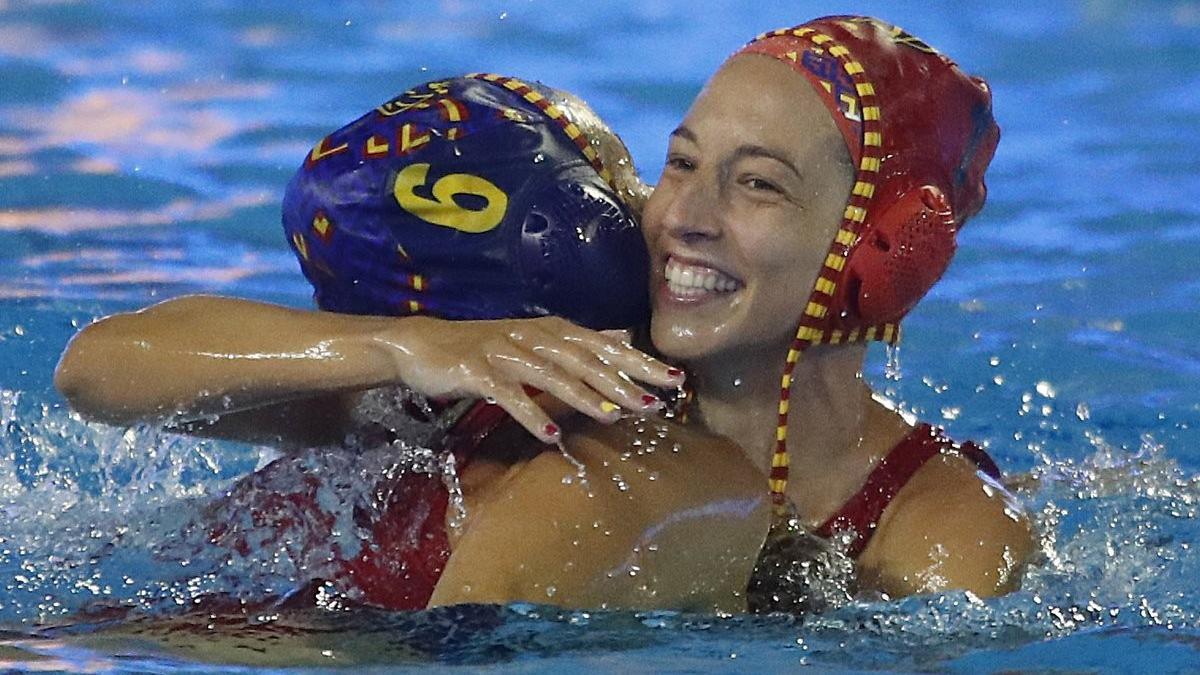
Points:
x=820 y=312
x=806 y=337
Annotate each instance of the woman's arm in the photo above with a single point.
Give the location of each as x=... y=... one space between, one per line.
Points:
x=270 y=372
x=677 y=527
x=191 y=359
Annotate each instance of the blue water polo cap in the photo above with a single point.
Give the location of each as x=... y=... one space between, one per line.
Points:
x=466 y=198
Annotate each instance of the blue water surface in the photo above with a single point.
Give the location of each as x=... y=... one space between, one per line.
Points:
x=143 y=151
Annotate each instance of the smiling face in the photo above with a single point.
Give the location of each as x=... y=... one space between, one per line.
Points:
x=754 y=187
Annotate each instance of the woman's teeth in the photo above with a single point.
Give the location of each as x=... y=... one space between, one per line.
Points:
x=690 y=280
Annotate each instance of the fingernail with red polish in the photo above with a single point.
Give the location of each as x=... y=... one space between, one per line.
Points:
x=551 y=430
x=649 y=401
x=674 y=372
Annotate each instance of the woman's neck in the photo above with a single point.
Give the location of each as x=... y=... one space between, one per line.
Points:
x=835 y=431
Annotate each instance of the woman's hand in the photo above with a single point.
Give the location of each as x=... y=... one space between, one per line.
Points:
x=590 y=371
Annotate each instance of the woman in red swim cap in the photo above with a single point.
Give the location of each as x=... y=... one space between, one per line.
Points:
x=810 y=198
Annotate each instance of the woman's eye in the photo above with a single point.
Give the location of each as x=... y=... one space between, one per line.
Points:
x=680 y=163
x=762 y=185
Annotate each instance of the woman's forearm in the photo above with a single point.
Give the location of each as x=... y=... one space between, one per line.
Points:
x=203 y=355
x=199 y=356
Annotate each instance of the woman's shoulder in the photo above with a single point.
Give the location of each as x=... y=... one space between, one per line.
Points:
x=952 y=525
x=681 y=514
x=682 y=459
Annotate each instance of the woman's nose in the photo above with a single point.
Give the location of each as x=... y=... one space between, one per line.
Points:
x=692 y=215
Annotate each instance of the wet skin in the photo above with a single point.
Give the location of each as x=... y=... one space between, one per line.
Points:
x=755 y=182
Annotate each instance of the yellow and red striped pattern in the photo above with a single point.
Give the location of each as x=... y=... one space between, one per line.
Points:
x=574 y=134
x=811 y=330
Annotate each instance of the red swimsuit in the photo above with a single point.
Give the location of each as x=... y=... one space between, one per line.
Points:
x=407 y=547
x=410 y=546
x=861 y=513
x=401 y=571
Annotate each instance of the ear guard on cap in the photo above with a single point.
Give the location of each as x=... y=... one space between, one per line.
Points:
x=901 y=254
x=582 y=253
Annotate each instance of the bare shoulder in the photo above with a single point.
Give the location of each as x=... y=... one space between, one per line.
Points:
x=951 y=527
x=683 y=461
x=610 y=522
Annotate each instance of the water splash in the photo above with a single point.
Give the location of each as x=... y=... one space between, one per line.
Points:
x=83 y=503
x=1116 y=555
x=102 y=517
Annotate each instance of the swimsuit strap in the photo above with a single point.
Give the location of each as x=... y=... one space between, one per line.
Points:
x=861 y=513
x=470 y=430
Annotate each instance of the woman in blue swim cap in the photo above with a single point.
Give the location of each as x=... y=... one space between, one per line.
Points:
x=471 y=198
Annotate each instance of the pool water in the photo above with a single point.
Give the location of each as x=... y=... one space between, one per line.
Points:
x=143 y=151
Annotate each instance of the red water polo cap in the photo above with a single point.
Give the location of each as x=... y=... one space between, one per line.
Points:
x=921 y=134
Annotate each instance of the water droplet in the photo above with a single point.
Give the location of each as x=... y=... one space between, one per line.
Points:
x=457 y=501
x=539 y=158
x=580 y=470
x=621 y=484
x=1046 y=389
x=891 y=369
x=1083 y=412
x=503 y=15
